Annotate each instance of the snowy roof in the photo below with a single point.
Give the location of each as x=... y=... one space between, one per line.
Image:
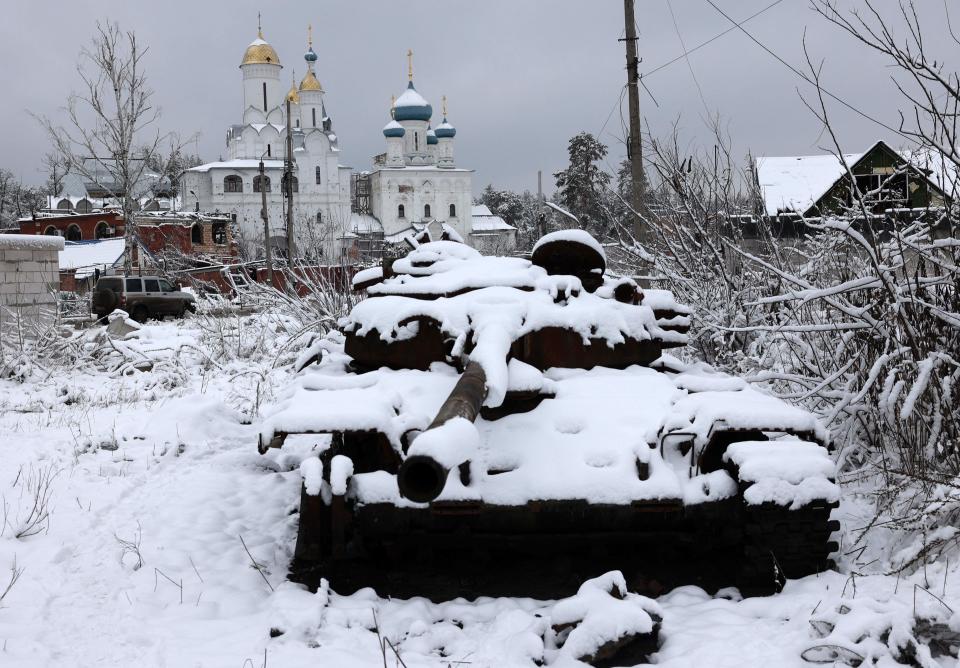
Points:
x=363 y=223
x=412 y=106
x=411 y=98
x=30 y=242
x=85 y=256
x=242 y=163
x=795 y=183
x=483 y=220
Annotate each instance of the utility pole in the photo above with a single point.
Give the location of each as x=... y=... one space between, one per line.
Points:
x=266 y=224
x=541 y=217
x=634 y=149
x=288 y=186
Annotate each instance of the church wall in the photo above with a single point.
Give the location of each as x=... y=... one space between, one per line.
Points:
x=415 y=188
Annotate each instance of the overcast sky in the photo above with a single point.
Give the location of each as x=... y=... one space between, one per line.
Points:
x=521 y=76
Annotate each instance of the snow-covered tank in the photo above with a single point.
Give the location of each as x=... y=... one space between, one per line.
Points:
x=499 y=425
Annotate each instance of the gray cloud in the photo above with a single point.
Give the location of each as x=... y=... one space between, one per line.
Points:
x=521 y=77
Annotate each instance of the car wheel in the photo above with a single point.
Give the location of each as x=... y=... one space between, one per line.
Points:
x=140 y=313
x=105 y=301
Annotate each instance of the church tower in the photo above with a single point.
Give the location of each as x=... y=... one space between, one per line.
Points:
x=445 y=133
x=413 y=112
x=311 y=92
x=262 y=88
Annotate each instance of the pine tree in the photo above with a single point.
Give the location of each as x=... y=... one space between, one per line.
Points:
x=582 y=186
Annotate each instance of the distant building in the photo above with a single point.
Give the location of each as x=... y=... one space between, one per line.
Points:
x=83 y=193
x=895 y=184
x=187 y=237
x=415 y=188
x=75 y=226
x=321 y=185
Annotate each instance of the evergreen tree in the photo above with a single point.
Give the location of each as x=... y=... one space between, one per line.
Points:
x=517 y=209
x=582 y=186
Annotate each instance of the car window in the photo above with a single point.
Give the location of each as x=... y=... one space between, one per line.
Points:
x=110 y=284
x=133 y=285
x=151 y=285
x=166 y=287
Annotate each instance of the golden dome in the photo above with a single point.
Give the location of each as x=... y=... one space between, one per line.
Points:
x=260 y=53
x=293 y=95
x=310 y=83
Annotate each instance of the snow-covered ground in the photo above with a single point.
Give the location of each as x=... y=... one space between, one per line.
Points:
x=159 y=505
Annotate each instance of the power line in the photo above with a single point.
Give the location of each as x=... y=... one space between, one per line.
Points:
x=676 y=27
x=616 y=105
x=808 y=80
x=713 y=39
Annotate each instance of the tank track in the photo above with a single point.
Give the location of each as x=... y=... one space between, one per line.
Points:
x=781 y=543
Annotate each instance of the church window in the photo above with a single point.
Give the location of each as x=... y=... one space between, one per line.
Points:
x=84 y=206
x=319 y=217
x=400 y=211
x=51 y=231
x=196 y=234
x=102 y=231
x=232 y=184
x=416 y=141
x=317 y=171
x=426 y=210
x=269 y=151
x=261 y=182
x=74 y=234
x=453 y=210
x=264 y=95
x=313 y=112
x=64 y=204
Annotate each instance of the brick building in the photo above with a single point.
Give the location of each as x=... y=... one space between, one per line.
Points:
x=197 y=236
x=72 y=226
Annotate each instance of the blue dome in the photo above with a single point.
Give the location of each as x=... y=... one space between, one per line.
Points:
x=431 y=137
x=310 y=56
x=393 y=129
x=411 y=106
x=445 y=130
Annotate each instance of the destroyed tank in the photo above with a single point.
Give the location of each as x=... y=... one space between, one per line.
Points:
x=486 y=425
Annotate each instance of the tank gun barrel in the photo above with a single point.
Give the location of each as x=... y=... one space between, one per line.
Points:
x=423 y=475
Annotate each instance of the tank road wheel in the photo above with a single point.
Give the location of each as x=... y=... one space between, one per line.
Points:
x=781 y=543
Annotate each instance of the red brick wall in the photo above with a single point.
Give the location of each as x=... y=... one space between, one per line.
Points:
x=157 y=238
x=87 y=222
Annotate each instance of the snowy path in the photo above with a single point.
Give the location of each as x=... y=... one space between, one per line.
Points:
x=186 y=478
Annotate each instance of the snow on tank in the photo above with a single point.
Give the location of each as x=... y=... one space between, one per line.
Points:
x=492 y=388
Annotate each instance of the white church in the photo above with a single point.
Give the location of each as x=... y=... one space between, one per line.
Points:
x=414 y=190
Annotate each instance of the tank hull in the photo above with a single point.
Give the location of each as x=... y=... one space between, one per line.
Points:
x=547 y=549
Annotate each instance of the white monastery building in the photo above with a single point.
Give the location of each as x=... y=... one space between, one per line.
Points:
x=414 y=190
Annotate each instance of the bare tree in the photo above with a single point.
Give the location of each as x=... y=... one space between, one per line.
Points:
x=56 y=167
x=110 y=135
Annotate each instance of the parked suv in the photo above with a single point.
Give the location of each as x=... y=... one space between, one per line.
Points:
x=141 y=296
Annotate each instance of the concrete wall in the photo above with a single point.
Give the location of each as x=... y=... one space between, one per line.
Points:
x=29 y=279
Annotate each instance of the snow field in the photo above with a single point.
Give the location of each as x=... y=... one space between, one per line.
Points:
x=161 y=466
